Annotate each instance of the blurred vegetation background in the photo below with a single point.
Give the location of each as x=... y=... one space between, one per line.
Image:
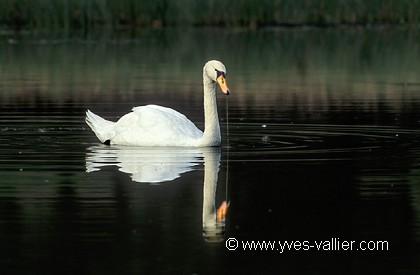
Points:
x=85 y=14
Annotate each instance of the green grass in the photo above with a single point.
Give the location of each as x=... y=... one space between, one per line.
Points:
x=78 y=14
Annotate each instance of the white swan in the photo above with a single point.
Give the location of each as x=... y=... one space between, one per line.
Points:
x=153 y=125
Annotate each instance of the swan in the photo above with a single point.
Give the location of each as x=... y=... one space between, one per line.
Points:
x=153 y=125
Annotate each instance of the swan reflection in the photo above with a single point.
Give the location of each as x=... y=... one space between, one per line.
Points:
x=165 y=164
x=145 y=164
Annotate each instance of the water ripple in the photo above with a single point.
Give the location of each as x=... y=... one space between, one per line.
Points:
x=283 y=142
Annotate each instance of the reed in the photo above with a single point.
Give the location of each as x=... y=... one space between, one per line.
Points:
x=78 y=14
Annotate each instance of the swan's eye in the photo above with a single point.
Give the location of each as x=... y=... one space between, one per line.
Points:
x=219 y=73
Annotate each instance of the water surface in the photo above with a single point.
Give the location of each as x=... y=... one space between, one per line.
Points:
x=321 y=143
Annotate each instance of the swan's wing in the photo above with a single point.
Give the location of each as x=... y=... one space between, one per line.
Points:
x=153 y=125
x=166 y=120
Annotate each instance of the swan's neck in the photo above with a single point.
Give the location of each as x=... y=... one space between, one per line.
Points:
x=211 y=136
x=213 y=230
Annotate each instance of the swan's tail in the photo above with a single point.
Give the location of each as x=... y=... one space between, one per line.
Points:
x=103 y=129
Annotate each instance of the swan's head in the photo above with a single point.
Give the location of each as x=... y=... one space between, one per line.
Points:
x=216 y=71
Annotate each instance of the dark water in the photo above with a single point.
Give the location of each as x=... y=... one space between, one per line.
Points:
x=322 y=143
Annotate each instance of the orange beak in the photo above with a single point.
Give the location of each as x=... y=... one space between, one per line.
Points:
x=223 y=85
x=221 y=211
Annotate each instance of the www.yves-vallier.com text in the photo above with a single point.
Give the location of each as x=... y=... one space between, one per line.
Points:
x=333 y=244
